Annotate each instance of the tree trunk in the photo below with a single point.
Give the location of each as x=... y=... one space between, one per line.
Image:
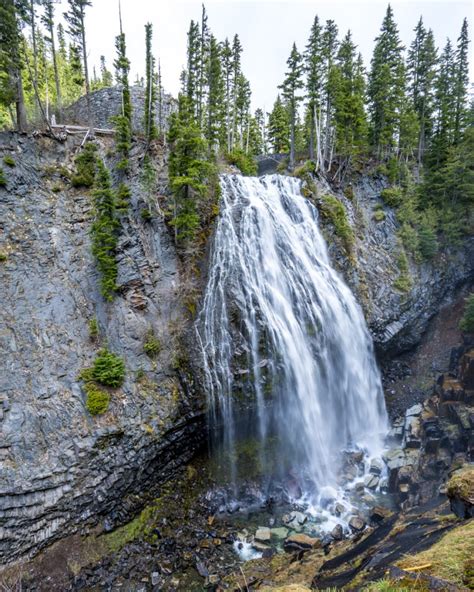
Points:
x=35 y=50
x=20 y=103
x=86 y=70
x=292 y=139
x=56 y=75
x=311 y=135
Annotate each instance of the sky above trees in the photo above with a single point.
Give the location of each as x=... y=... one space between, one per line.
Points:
x=267 y=29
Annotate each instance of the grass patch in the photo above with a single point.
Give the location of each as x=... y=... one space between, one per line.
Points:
x=3 y=180
x=93 y=329
x=379 y=214
x=450 y=558
x=333 y=210
x=9 y=160
x=3 y=257
x=152 y=345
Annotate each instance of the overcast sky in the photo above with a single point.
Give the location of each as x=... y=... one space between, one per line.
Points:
x=267 y=29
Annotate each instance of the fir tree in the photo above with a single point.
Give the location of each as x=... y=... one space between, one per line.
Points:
x=203 y=72
x=75 y=17
x=215 y=132
x=279 y=128
x=11 y=80
x=291 y=86
x=105 y=74
x=236 y=78
x=386 y=86
x=48 y=21
x=150 y=87
x=314 y=82
x=226 y=57
x=122 y=70
x=445 y=106
x=329 y=49
x=192 y=71
x=461 y=80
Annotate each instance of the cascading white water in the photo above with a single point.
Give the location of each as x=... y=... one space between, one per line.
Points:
x=279 y=325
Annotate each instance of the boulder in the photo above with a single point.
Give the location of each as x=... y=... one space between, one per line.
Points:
x=371 y=481
x=300 y=542
x=379 y=514
x=263 y=534
x=356 y=524
x=279 y=533
x=337 y=533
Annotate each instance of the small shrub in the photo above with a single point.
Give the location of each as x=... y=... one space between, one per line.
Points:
x=428 y=243
x=309 y=167
x=108 y=369
x=379 y=215
x=349 y=192
x=403 y=282
x=93 y=329
x=410 y=239
x=467 y=322
x=392 y=196
x=3 y=180
x=56 y=188
x=97 y=400
x=123 y=197
x=244 y=162
x=9 y=160
x=146 y=215
x=334 y=211
x=3 y=257
x=85 y=166
x=152 y=345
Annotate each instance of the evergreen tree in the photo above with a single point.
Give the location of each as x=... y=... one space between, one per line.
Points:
x=204 y=51
x=329 y=49
x=226 y=57
x=192 y=71
x=347 y=89
x=105 y=74
x=279 y=128
x=122 y=70
x=75 y=17
x=11 y=80
x=445 y=106
x=150 y=87
x=215 y=132
x=461 y=80
x=236 y=80
x=386 y=86
x=314 y=82
x=242 y=109
x=291 y=86
x=189 y=171
x=421 y=70
x=48 y=21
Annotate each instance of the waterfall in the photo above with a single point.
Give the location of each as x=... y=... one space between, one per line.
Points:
x=286 y=352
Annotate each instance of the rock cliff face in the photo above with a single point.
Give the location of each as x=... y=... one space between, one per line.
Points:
x=396 y=319
x=60 y=467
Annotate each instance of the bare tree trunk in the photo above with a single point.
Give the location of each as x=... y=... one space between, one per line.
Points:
x=86 y=70
x=35 y=49
x=20 y=103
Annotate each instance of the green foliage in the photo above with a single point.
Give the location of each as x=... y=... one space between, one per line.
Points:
x=404 y=281
x=392 y=196
x=123 y=197
x=3 y=181
x=146 y=214
x=9 y=160
x=104 y=231
x=3 y=257
x=152 y=345
x=108 y=370
x=244 y=162
x=467 y=322
x=309 y=167
x=279 y=127
x=379 y=214
x=93 y=329
x=428 y=243
x=334 y=211
x=123 y=139
x=85 y=166
x=97 y=400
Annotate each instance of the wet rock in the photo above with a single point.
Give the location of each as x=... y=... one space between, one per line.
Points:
x=155 y=578
x=371 y=481
x=337 y=533
x=376 y=466
x=263 y=534
x=339 y=509
x=279 y=533
x=356 y=524
x=379 y=514
x=300 y=542
x=294 y=519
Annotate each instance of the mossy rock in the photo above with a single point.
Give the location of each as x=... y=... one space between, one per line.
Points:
x=460 y=491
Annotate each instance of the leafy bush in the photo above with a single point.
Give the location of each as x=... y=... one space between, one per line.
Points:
x=392 y=196
x=379 y=215
x=56 y=188
x=146 y=215
x=97 y=400
x=108 y=369
x=334 y=211
x=85 y=166
x=93 y=329
x=309 y=167
x=9 y=160
x=244 y=162
x=3 y=180
x=467 y=322
x=3 y=257
x=152 y=345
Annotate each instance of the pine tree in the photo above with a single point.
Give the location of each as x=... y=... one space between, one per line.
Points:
x=242 y=109
x=215 y=132
x=105 y=74
x=150 y=87
x=314 y=82
x=291 y=86
x=329 y=49
x=48 y=21
x=226 y=57
x=75 y=17
x=122 y=70
x=279 y=127
x=421 y=70
x=11 y=80
x=192 y=71
x=203 y=72
x=236 y=79
x=445 y=106
x=461 y=80
x=386 y=86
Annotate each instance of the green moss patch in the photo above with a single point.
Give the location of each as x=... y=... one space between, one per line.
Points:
x=97 y=400
x=333 y=210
